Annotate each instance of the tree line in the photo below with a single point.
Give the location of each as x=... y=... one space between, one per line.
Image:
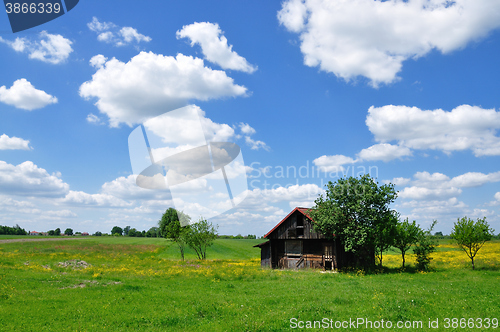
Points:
x=16 y=230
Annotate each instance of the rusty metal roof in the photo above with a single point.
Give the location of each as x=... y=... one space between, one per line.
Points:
x=300 y=209
x=262 y=244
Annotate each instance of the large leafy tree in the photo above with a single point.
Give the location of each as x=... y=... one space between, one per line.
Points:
x=116 y=230
x=170 y=227
x=407 y=234
x=200 y=236
x=471 y=236
x=356 y=211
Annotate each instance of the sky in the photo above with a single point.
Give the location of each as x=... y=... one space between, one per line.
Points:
x=311 y=91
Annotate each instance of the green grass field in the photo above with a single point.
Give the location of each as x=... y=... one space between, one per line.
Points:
x=140 y=284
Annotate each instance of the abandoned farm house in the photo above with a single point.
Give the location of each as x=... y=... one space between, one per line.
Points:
x=293 y=243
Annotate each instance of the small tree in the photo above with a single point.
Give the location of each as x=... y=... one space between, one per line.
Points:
x=200 y=236
x=57 y=231
x=68 y=231
x=406 y=235
x=126 y=230
x=471 y=236
x=117 y=231
x=426 y=245
x=170 y=227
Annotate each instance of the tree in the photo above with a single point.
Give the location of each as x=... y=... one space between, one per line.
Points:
x=116 y=231
x=132 y=232
x=51 y=232
x=68 y=231
x=153 y=232
x=407 y=234
x=126 y=230
x=57 y=231
x=356 y=212
x=97 y=234
x=425 y=246
x=170 y=227
x=471 y=236
x=200 y=236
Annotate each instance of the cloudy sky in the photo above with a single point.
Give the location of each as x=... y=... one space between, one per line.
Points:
x=310 y=90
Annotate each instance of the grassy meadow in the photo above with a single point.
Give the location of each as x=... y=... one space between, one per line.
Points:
x=140 y=284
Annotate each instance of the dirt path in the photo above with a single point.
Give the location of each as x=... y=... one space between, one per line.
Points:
x=42 y=239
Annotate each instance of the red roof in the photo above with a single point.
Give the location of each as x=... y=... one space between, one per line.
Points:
x=300 y=209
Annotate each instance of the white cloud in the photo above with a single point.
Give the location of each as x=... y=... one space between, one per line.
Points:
x=92 y=118
x=214 y=46
x=13 y=143
x=255 y=145
x=97 y=26
x=436 y=209
x=464 y=128
x=332 y=163
x=111 y=33
x=49 y=48
x=246 y=129
x=151 y=84
x=98 y=200
x=27 y=179
x=497 y=199
x=384 y=151
x=427 y=186
x=372 y=38
x=400 y=181
x=97 y=61
x=422 y=193
x=130 y=34
x=22 y=94
x=127 y=189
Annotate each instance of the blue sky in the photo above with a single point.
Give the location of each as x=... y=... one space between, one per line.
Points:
x=406 y=91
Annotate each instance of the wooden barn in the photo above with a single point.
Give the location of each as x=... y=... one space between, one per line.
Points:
x=293 y=244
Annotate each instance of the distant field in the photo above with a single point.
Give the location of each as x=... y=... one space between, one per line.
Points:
x=140 y=284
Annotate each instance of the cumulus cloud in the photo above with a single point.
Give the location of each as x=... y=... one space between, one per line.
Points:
x=464 y=128
x=246 y=129
x=372 y=38
x=97 y=200
x=427 y=186
x=27 y=179
x=496 y=200
x=127 y=189
x=22 y=94
x=111 y=33
x=97 y=61
x=13 y=143
x=436 y=209
x=256 y=145
x=422 y=193
x=332 y=163
x=94 y=119
x=151 y=84
x=384 y=151
x=295 y=195
x=49 y=48
x=214 y=46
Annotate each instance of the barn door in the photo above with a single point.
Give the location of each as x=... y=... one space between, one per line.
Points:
x=329 y=259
